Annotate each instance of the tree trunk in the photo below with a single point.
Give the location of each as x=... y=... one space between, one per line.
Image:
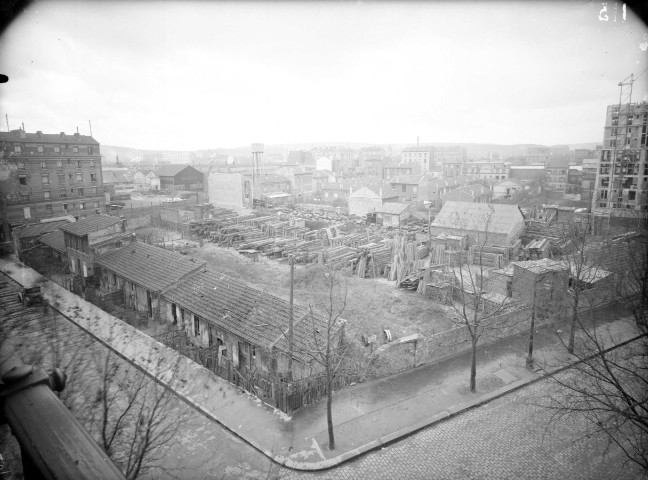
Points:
x=473 y=367
x=329 y=416
x=572 y=332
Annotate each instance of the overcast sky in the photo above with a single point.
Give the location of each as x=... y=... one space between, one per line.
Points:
x=185 y=76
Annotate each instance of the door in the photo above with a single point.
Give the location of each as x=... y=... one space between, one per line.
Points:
x=149 y=303
x=174 y=314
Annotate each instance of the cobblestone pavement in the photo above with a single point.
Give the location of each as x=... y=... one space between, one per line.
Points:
x=506 y=439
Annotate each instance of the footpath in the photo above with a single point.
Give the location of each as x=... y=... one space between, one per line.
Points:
x=366 y=416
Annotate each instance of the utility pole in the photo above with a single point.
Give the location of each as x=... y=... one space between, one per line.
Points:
x=529 y=360
x=90 y=123
x=290 y=319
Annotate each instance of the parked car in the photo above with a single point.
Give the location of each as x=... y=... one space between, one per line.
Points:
x=30 y=296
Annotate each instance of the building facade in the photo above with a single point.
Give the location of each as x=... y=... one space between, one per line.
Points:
x=622 y=175
x=50 y=175
x=488 y=170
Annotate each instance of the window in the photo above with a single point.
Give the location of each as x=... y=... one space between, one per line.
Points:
x=48 y=209
x=43 y=164
x=196 y=326
x=113 y=279
x=81 y=191
x=78 y=163
x=45 y=178
x=46 y=195
x=57 y=149
x=24 y=197
x=604 y=194
x=96 y=205
x=40 y=149
x=93 y=177
x=75 y=149
x=253 y=351
x=62 y=193
x=18 y=149
x=59 y=164
x=94 y=190
x=82 y=205
x=90 y=152
x=91 y=161
x=65 y=207
x=22 y=179
x=21 y=165
x=79 y=177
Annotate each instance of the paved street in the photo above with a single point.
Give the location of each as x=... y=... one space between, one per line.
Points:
x=506 y=439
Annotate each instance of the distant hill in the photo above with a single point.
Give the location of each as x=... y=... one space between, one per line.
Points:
x=109 y=153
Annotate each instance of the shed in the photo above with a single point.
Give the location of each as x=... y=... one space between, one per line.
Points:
x=483 y=223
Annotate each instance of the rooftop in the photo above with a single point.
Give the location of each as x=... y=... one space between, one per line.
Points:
x=498 y=218
x=149 y=266
x=38 y=229
x=392 y=208
x=170 y=170
x=89 y=224
x=55 y=240
x=20 y=136
x=259 y=317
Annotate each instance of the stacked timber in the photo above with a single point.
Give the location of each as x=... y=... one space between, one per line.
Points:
x=339 y=257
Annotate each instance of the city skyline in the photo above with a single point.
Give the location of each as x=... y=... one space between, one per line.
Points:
x=194 y=76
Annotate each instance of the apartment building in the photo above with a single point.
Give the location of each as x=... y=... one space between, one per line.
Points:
x=50 y=175
x=622 y=175
x=488 y=170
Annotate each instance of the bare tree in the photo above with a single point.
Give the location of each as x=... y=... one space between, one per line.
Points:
x=476 y=310
x=328 y=346
x=608 y=385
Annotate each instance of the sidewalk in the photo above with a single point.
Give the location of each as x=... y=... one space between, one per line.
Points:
x=366 y=416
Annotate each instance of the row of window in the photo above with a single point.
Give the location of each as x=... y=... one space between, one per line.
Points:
x=59 y=164
x=22 y=178
x=49 y=209
x=57 y=149
x=61 y=194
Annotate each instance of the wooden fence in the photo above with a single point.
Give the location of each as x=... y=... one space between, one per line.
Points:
x=286 y=396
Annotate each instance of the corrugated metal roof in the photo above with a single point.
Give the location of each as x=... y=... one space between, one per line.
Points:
x=90 y=224
x=151 y=267
x=498 y=218
x=38 y=229
x=55 y=240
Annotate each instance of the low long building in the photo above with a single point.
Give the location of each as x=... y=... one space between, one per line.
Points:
x=141 y=272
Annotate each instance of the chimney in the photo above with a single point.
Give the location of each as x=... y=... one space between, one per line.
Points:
x=62 y=134
x=122 y=220
x=133 y=238
x=39 y=133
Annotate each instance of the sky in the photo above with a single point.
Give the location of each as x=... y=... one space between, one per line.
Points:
x=198 y=75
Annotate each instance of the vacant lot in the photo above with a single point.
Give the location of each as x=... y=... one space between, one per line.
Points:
x=372 y=304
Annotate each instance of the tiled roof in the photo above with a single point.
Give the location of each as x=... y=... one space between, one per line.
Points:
x=39 y=229
x=15 y=136
x=151 y=267
x=89 y=224
x=170 y=170
x=54 y=240
x=259 y=317
x=501 y=218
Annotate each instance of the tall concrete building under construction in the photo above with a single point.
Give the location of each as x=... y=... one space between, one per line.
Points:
x=622 y=175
